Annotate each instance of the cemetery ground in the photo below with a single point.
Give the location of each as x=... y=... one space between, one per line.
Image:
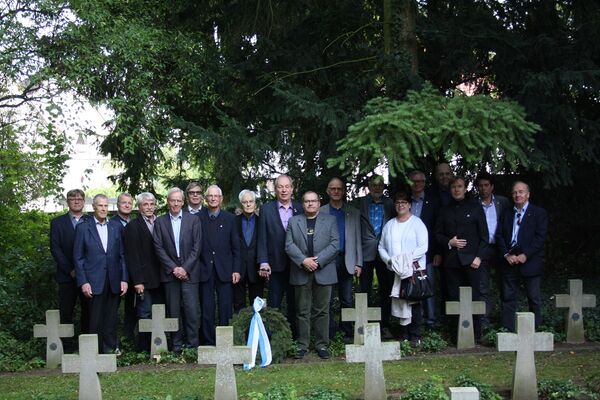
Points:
x=138 y=378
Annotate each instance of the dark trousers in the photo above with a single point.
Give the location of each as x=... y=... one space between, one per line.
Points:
x=129 y=314
x=344 y=289
x=254 y=290
x=143 y=308
x=464 y=276
x=385 y=278
x=68 y=293
x=428 y=305
x=207 y=304
x=412 y=331
x=511 y=279
x=279 y=285
x=104 y=308
x=181 y=300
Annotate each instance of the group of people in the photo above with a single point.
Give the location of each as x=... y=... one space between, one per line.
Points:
x=199 y=253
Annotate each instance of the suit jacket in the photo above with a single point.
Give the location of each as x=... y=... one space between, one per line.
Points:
x=142 y=262
x=353 y=255
x=249 y=266
x=271 y=236
x=465 y=220
x=220 y=248
x=92 y=263
x=326 y=244
x=190 y=245
x=370 y=241
x=501 y=204
x=531 y=238
x=62 y=237
x=429 y=215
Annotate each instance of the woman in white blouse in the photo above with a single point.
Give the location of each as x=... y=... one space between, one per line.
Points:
x=403 y=242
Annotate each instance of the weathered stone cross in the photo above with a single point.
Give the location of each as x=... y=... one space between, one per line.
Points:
x=53 y=331
x=88 y=363
x=373 y=353
x=224 y=355
x=360 y=315
x=158 y=325
x=575 y=301
x=465 y=308
x=463 y=393
x=525 y=342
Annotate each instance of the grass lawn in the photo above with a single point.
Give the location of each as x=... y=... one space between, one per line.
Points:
x=187 y=381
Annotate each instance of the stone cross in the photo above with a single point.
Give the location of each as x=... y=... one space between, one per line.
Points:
x=373 y=353
x=224 y=355
x=575 y=301
x=360 y=315
x=465 y=308
x=158 y=325
x=53 y=331
x=88 y=363
x=525 y=342
x=463 y=393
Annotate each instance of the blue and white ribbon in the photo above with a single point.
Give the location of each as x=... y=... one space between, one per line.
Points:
x=257 y=337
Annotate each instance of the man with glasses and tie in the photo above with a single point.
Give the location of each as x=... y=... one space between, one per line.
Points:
x=520 y=240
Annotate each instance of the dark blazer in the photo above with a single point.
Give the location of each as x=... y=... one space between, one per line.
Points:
x=271 y=236
x=249 y=266
x=220 y=248
x=501 y=204
x=62 y=237
x=326 y=244
x=531 y=238
x=92 y=263
x=429 y=215
x=465 y=220
x=190 y=245
x=141 y=259
x=370 y=241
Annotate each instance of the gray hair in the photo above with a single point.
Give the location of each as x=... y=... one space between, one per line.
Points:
x=245 y=192
x=124 y=195
x=145 y=196
x=213 y=187
x=175 y=190
x=99 y=196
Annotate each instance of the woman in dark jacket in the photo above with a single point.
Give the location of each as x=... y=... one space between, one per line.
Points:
x=461 y=231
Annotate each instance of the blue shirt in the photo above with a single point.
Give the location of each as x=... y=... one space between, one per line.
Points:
x=519 y=214
x=176 y=225
x=376 y=215
x=491 y=217
x=248 y=228
x=417 y=205
x=340 y=216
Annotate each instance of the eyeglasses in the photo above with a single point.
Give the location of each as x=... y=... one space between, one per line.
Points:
x=248 y=202
x=74 y=199
x=309 y=201
x=401 y=203
x=194 y=193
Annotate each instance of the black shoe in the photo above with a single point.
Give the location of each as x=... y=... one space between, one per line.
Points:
x=347 y=340
x=323 y=353
x=300 y=354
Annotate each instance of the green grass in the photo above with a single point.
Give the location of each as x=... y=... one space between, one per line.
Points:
x=186 y=381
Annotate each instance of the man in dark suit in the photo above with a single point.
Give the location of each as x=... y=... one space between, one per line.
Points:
x=349 y=260
x=99 y=257
x=247 y=225
x=143 y=264
x=62 y=236
x=312 y=242
x=220 y=262
x=178 y=242
x=194 y=198
x=493 y=207
x=427 y=207
x=272 y=258
x=123 y=217
x=375 y=210
x=520 y=239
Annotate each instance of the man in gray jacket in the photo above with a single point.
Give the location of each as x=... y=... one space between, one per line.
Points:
x=312 y=243
x=349 y=260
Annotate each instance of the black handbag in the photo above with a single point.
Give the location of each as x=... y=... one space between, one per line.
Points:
x=417 y=287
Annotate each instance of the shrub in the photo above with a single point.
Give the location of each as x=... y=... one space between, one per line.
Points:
x=433 y=342
x=433 y=389
x=563 y=390
x=276 y=325
x=485 y=391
